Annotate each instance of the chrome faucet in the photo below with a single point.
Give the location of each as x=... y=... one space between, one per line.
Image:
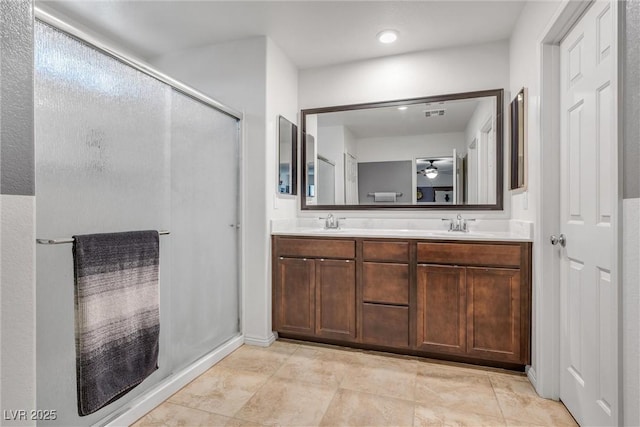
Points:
x=331 y=222
x=459 y=224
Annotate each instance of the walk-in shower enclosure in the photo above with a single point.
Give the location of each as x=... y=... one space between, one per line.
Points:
x=119 y=149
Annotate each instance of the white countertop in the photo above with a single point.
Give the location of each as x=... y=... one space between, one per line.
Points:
x=481 y=230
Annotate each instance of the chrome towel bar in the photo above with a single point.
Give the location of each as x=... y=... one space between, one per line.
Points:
x=398 y=194
x=70 y=239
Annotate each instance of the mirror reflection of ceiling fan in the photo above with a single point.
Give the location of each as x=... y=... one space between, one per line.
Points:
x=432 y=167
x=430 y=171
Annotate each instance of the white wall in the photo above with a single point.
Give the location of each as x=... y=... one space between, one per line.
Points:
x=631 y=317
x=281 y=100
x=525 y=72
x=410 y=147
x=433 y=72
x=234 y=73
x=17 y=215
x=419 y=74
x=18 y=315
x=332 y=149
x=482 y=158
x=483 y=112
x=253 y=76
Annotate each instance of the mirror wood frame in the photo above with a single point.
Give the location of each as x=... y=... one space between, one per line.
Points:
x=497 y=93
x=292 y=155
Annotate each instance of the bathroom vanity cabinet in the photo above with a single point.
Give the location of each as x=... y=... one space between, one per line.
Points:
x=314 y=291
x=459 y=300
x=473 y=300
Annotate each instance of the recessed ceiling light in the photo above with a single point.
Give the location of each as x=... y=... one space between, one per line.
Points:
x=387 y=36
x=404 y=107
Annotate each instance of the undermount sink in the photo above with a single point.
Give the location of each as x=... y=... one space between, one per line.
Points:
x=405 y=232
x=455 y=234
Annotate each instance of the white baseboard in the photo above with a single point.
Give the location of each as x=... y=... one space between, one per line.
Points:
x=533 y=378
x=260 y=342
x=154 y=397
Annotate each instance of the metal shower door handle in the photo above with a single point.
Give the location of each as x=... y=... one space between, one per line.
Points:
x=562 y=239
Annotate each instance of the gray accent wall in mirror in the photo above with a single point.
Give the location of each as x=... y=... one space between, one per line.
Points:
x=437 y=152
x=287 y=157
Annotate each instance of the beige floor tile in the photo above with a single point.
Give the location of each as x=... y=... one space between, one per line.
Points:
x=446 y=387
x=352 y=408
x=287 y=403
x=513 y=384
x=428 y=416
x=533 y=410
x=380 y=359
x=282 y=347
x=220 y=390
x=261 y=360
x=294 y=384
x=316 y=366
x=382 y=376
x=459 y=370
x=235 y=422
x=169 y=414
x=338 y=354
x=516 y=423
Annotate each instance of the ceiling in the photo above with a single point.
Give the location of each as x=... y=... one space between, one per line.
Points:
x=391 y=122
x=311 y=33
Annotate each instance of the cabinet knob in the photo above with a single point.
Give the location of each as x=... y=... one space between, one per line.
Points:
x=321 y=259
x=347 y=260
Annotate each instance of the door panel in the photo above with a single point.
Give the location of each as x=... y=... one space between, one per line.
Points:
x=441 y=309
x=589 y=193
x=386 y=325
x=336 y=299
x=493 y=313
x=295 y=296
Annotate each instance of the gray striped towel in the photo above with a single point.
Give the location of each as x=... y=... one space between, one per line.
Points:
x=117 y=314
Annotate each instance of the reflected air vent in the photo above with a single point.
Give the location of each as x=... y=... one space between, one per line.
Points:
x=434 y=113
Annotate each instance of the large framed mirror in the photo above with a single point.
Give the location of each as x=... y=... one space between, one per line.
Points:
x=437 y=152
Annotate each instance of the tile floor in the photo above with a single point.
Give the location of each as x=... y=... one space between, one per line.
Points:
x=296 y=384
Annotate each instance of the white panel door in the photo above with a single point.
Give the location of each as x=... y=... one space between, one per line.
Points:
x=589 y=191
x=350 y=179
x=455 y=178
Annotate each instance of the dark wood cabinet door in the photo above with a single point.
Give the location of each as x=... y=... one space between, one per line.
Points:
x=385 y=283
x=294 y=296
x=493 y=314
x=441 y=309
x=386 y=325
x=336 y=299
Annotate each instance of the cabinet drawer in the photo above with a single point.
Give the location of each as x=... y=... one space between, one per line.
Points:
x=385 y=283
x=385 y=251
x=385 y=325
x=319 y=248
x=470 y=254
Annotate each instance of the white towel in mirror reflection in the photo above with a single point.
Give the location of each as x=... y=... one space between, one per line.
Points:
x=384 y=196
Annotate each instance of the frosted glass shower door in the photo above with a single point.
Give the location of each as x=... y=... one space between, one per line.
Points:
x=102 y=165
x=204 y=211
x=119 y=150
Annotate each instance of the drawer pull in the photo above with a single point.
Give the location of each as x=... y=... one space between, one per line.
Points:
x=321 y=259
x=347 y=260
x=281 y=257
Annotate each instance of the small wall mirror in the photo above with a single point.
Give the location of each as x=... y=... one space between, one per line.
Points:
x=439 y=152
x=287 y=156
x=519 y=141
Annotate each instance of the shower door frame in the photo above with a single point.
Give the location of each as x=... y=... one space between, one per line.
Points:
x=147 y=401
